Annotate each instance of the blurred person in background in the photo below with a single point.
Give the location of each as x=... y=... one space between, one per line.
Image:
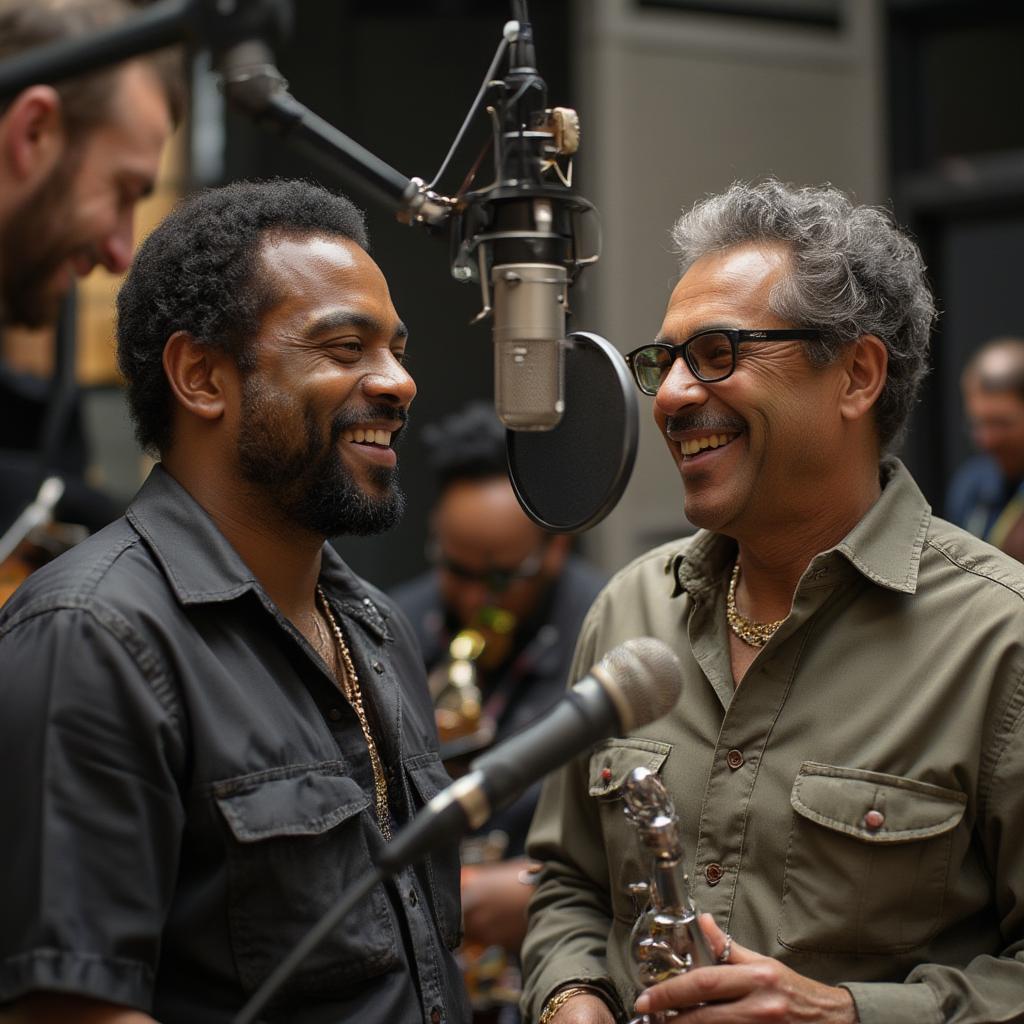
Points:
x=986 y=495
x=75 y=159
x=497 y=617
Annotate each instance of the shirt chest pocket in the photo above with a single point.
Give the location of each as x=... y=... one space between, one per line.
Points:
x=295 y=844
x=610 y=765
x=868 y=861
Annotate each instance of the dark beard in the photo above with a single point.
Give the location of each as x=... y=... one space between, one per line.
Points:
x=310 y=484
x=30 y=252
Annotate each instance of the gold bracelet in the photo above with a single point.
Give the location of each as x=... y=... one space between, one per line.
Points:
x=560 y=998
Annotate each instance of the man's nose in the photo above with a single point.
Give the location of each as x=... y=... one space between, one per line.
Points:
x=679 y=389
x=391 y=381
x=115 y=249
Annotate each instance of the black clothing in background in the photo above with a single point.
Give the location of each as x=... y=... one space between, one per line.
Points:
x=23 y=411
x=184 y=791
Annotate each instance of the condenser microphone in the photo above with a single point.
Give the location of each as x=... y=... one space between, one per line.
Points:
x=518 y=237
x=634 y=684
x=529 y=333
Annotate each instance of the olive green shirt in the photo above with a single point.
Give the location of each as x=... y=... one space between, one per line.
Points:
x=894 y=686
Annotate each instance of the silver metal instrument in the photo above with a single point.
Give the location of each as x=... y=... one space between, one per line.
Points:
x=667 y=938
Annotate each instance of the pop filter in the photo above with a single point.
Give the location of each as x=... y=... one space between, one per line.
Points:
x=570 y=477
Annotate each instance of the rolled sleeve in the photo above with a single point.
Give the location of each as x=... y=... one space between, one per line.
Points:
x=895 y=1003
x=89 y=749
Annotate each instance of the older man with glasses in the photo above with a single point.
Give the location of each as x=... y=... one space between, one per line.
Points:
x=847 y=759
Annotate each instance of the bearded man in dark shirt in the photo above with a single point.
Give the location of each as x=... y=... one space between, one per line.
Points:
x=211 y=725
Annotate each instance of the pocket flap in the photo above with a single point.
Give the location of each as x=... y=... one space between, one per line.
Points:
x=306 y=803
x=873 y=806
x=612 y=761
x=428 y=775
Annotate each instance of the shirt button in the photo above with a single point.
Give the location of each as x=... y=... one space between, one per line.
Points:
x=734 y=759
x=378 y=667
x=435 y=1015
x=713 y=873
x=874 y=820
x=334 y=714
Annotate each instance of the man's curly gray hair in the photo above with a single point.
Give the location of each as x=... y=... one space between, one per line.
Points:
x=853 y=273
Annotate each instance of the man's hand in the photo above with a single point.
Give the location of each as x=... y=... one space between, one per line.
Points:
x=494 y=904
x=748 y=989
x=584 y=1009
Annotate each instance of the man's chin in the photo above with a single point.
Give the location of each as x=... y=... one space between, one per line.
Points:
x=707 y=515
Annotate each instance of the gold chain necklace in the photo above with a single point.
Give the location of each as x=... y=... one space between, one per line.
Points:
x=755 y=634
x=353 y=694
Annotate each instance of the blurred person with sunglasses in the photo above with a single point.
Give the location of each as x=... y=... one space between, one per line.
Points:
x=847 y=758
x=502 y=605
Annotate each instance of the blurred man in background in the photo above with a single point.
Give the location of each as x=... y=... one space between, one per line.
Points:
x=497 y=617
x=986 y=495
x=75 y=157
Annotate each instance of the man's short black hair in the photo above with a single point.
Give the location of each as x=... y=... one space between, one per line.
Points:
x=199 y=272
x=466 y=445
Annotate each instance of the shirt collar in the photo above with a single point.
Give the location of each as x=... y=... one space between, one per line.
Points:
x=202 y=566
x=885 y=546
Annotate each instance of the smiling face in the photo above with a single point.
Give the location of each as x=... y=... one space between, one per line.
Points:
x=318 y=415
x=756 y=451
x=994 y=404
x=82 y=214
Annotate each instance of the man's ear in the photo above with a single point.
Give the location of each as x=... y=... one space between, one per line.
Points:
x=867 y=362
x=199 y=375
x=33 y=134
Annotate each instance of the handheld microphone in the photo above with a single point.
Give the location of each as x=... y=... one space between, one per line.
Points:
x=518 y=239
x=634 y=684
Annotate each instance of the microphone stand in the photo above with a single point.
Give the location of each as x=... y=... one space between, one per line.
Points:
x=237 y=33
x=254 y=85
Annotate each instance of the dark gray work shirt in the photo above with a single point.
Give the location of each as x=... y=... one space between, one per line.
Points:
x=184 y=791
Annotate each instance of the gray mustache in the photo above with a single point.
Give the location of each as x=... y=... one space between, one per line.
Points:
x=704 y=420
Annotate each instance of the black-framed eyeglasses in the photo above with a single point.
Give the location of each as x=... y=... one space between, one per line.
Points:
x=710 y=355
x=495 y=579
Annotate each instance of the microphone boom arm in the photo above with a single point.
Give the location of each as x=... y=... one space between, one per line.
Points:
x=253 y=84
